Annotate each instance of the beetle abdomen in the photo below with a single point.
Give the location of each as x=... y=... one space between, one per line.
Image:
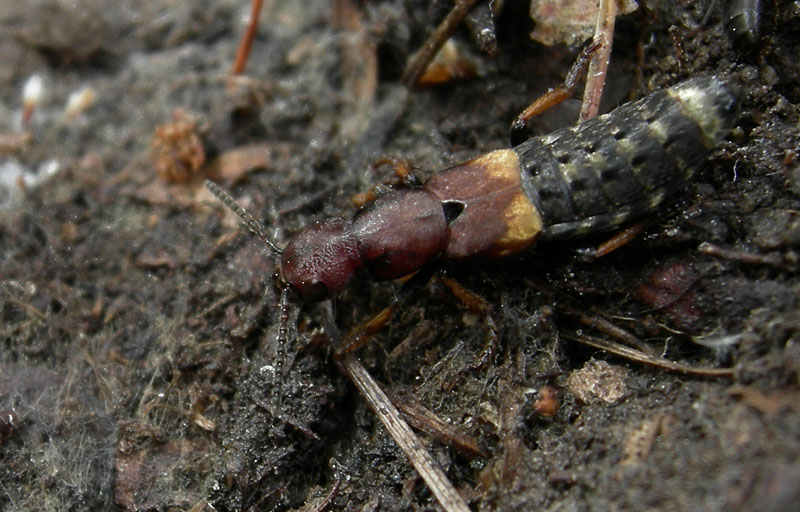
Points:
x=608 y=170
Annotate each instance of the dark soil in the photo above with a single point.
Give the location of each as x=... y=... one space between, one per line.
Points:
x=138 y=320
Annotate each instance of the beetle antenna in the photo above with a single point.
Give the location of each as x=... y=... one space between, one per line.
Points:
x=252 y=224
x=280 y=350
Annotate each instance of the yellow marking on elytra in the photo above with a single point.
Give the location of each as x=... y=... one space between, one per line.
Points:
x=523 y=226
x=523 y=220
x=502 y=163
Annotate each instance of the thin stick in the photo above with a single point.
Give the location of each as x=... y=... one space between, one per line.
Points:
x=420 y=60
x=246 y=43
x=635 y=355
x=596 y=77
x=772 y=258
x=409 y=443
x=412 y=447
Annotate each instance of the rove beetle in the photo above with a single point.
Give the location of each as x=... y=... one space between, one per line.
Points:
x=575 y=181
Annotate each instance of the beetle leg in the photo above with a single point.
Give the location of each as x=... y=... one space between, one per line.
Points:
x=553 y=96
x=402 y=171
x=400 y=165
x=620 y=239
x=361 y=333
x=480 y=306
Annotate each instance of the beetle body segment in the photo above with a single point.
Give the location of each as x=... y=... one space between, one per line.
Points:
x=578 y=180
x=609 y=170
x=400 y=233
x=394 y=236
x=496 y=217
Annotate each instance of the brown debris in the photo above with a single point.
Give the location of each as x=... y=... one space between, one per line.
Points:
x=359 y=66
x=13 y=143
x=145 y=473
x=599 y=383
x=546 y=402
x=451 y=63
x=769 y=403
x=418 y=62
x=568 y=22
x=670 y=290
x=640 y=440
x=233 y=165
x=177 y=149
